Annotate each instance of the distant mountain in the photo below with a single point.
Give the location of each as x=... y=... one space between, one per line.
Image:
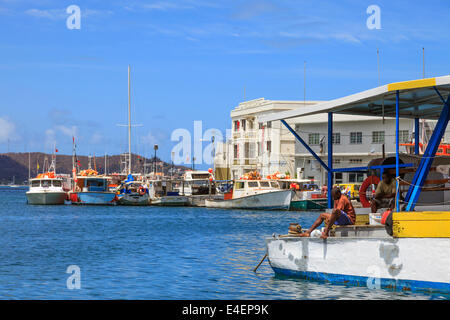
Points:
x=16 y=165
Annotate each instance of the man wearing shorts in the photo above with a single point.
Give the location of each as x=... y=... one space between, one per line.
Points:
x=342 y=214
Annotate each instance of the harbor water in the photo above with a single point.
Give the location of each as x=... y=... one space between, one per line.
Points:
x=151 y=253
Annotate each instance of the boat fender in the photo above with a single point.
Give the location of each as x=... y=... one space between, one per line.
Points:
x=316 y=234
x=388 y=223
x=384 y=216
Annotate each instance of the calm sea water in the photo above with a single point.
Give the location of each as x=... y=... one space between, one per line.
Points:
x=150 y=253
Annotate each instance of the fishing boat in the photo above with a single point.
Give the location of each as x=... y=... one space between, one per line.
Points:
x=411 y=251
x=197 y=183
x=253 y=194
x=165 y=193
x=90 y=188
x=133 y=192
x=48 y=188
x=306 y=197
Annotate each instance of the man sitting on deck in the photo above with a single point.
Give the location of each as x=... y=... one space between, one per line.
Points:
x=342 y=214
x=384 y=194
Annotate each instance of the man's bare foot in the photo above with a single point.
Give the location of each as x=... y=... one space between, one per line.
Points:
x=324 y=235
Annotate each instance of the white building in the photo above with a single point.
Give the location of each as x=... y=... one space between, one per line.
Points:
x=267 y=147
x=356 y=141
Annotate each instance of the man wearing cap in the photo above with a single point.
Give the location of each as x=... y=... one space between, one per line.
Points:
x=342 y=214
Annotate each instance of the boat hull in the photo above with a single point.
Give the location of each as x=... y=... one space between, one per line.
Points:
x=406 y=264
x=134 y=200
x=306 y=205
x=276 y=200
x=46 y=198
x=95 y=198
x=170 y=201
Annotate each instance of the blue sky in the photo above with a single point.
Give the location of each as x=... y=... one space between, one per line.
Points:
x=191 y=60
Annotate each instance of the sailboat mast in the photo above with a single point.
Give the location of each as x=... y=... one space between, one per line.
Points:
x=129 y=123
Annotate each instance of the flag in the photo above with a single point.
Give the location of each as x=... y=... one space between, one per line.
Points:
x=56 y=150
x=38 y=165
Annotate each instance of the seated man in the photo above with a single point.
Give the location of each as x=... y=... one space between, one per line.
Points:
x=343 y=214
x=384 y=194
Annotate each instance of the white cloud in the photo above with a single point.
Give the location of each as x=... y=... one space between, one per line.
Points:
x=68 y=131
x=7 y=130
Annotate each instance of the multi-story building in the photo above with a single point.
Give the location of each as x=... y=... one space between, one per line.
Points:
x=265 y=147
x=270 y=147
x=356 y=141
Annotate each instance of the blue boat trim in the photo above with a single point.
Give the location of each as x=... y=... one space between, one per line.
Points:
x=395 y=284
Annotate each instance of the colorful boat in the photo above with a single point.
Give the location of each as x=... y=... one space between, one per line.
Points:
x=92 y=190
x=411 y=252
x=415 y=258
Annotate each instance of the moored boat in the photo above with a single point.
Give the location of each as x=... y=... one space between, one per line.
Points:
x=411 y=260
x=46 y=189
x=253 y=194
x=92 y=189
x=133 y=193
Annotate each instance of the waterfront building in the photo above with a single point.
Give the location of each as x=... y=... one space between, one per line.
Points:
x=266 y=147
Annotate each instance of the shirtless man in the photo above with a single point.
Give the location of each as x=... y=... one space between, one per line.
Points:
x=342 y=214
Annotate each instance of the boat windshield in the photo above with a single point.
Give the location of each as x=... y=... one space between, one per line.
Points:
x=274 y=184
x=204 y=176
x=265 y=184
x=57 y=183
x=253 y=184
x=36 y=183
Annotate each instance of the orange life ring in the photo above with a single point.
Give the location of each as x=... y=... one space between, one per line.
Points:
x=142 y=190
x=371 y=180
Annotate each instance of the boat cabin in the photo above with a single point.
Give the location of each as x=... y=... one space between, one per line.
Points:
x=91 y=184
x=242 y=188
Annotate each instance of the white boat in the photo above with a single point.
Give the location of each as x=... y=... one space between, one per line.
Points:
x=163 y=193
x=196 y=183
x=47 y=189
x=133 y=193
x=254 y=194
x=366 y=256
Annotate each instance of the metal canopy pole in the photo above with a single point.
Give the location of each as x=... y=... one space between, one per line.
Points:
x=428 y=157
x=330 y=159
x=397 y=149
x=305 y=144
x=416 y=135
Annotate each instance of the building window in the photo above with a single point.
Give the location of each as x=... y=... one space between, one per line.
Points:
x=269 y=124
x=269 y=146
x=354 y=177
x=336 y=138
x=403 y=136
x=236 y=151
x=338 y=177
x=355 y=137
x=377 y=136
x=336 y=161
x=244 y=124
x=260 y=125
x=236 y=125
x=313 y=139
x=353 y=161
